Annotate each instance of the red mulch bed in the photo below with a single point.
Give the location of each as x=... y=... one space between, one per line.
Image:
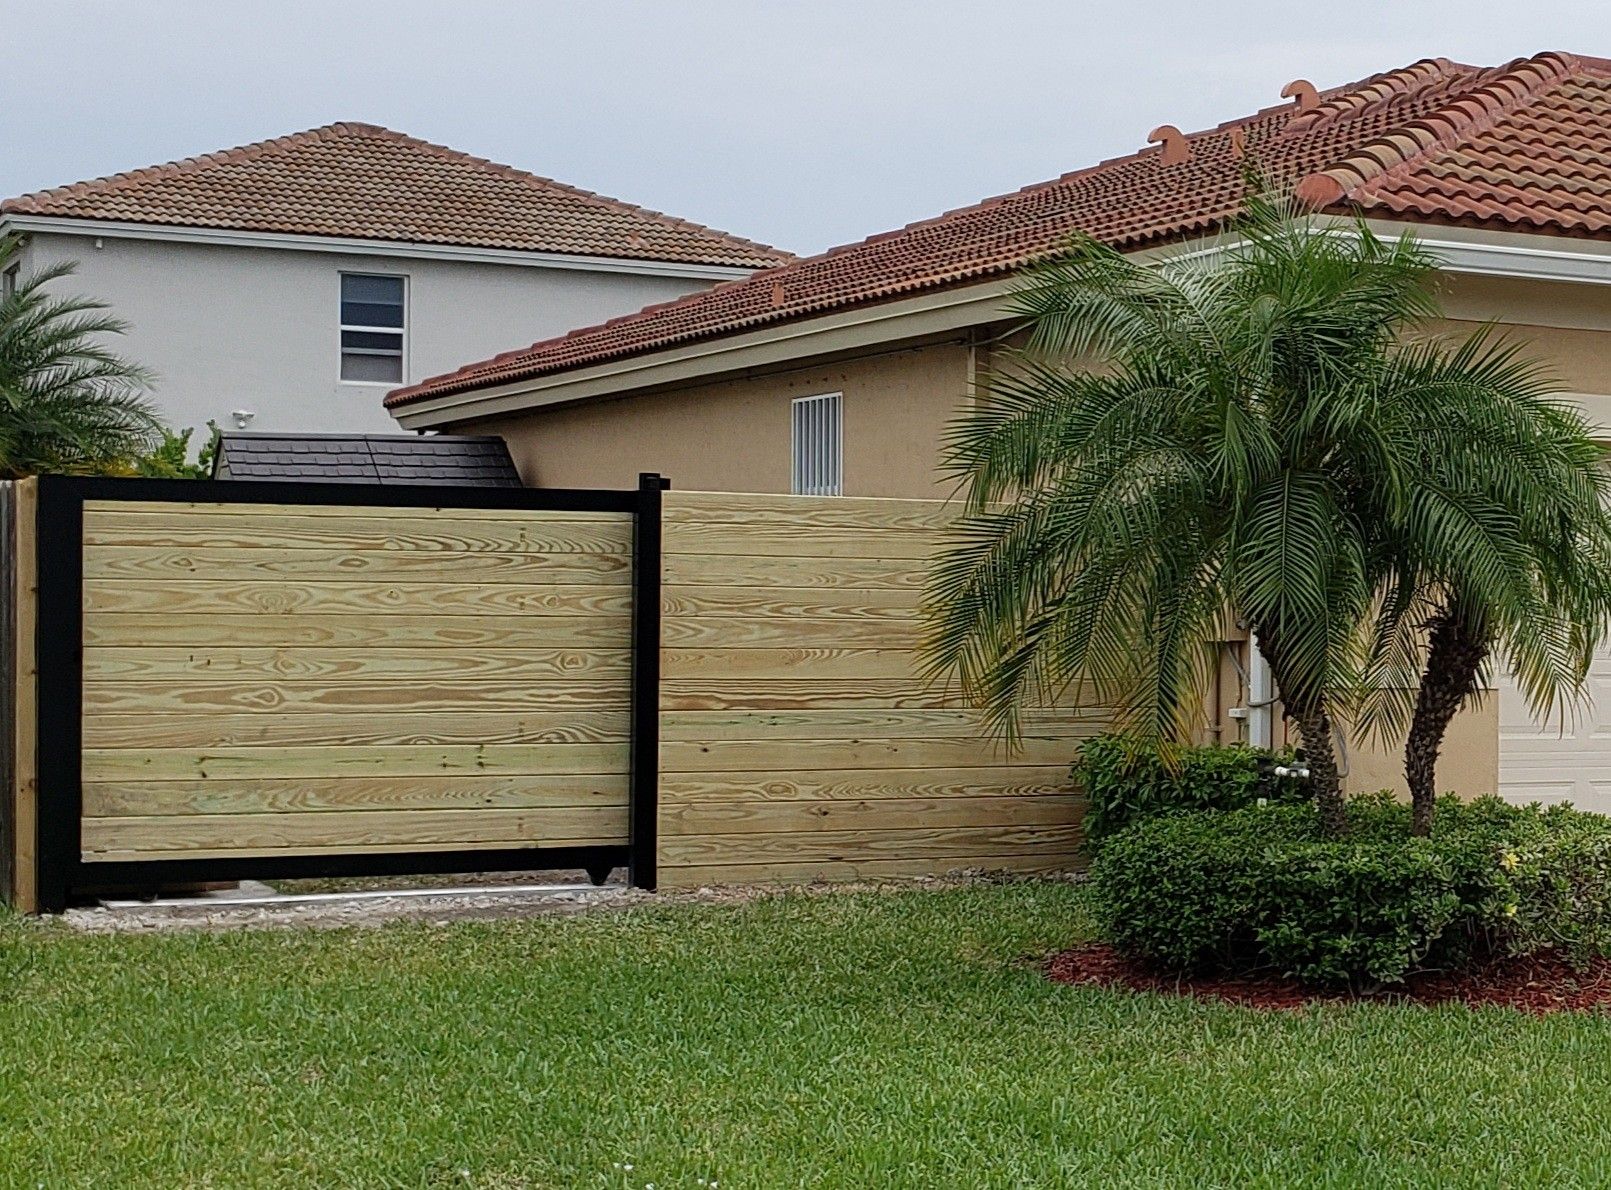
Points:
x=1538 y=985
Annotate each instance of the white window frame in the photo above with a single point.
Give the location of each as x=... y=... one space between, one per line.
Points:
x=12 y=278
x=819 y=473
x=408 y=318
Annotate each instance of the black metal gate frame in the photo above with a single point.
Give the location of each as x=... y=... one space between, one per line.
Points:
x=60 y=658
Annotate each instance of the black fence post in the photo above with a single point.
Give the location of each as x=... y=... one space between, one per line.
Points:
x=59 y=649
x=645 y=729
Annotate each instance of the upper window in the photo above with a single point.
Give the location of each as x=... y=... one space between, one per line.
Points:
x=818 y=461
x=372 y=329
x=8 y=281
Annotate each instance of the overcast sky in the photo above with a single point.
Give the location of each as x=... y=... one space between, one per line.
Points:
x=801 y=124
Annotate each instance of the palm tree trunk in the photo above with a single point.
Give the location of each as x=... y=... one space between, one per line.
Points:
x=1453 y=661
x=1320 y=754
x=1314 y=728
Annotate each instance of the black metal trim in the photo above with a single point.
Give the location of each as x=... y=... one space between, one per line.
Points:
x=230 y=491
x=645 y=731
x=59 y=656
x=151 y=872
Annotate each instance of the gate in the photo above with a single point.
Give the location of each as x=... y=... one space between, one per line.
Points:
x=261 y=680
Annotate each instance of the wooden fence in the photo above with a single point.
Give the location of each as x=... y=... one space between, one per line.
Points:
x=250 y=679
x=798 y=739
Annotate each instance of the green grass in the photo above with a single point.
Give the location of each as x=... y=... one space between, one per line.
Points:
x=852 y=1040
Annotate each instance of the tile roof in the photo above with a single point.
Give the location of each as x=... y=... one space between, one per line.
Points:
x=367 y=182
x=1525 y=146
x=455 y=460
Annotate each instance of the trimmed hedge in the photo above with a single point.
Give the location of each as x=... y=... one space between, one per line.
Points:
x=1127 y=780
x=1261 y=889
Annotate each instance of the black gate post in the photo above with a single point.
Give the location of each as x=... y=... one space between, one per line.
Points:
x=59 y=645
x=643 y=834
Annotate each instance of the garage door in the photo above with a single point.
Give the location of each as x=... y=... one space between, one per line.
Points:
x=1550 y=764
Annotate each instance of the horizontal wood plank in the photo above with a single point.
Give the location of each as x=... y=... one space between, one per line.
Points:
x=1039 y=862
x=222 y=729
x=217 y=664
x=270 y=834
x=896 y=813
x=854 y=845
x=790 y=756
x=781 y=538
x=906 y=633
x=807 y=512
x=738 y=665
x=787 y=603
x=858 y=723
x=245 y=565
x=298 y=795
x=403 y=760
x=729 y=570
x=394 y=631
x=185 y=510
x=353 y=698
x=367 y=599
x=434 y=534
x=928 y=784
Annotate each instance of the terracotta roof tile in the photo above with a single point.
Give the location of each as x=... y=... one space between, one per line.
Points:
x=1522 y=146
x=367 y=182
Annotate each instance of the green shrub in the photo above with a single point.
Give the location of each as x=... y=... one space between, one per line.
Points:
x=1260 y=888
x=1127 y=780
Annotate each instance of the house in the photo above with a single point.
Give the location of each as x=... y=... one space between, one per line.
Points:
x=285 y=285
x=837 y=373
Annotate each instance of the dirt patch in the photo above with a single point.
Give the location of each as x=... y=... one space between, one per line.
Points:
x=332 y=910
x=1538 y=984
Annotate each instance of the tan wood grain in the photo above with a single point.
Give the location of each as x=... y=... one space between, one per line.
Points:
x=435 y=534
x=217 y=664
x=268 y=834
x=144 y=729
x=345 y=598
x=883 y=814
x=808 y=573
x=779 y=537
x=817 y=846
x=738 y=665
x=804 y=512
x=770 y=602
x=928 y=784
x=225 y=629
x=727 y=756
x=858 y=723
x=298 y=795
x=687 y=632
x=1019 y=862
x=353 y=698
x=186 y=510
x=246 y=565
x=402 y=761
x=25 y=741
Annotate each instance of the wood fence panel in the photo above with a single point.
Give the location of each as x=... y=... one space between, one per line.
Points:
x=799 y=739
x=264 y=680
x=19 y=576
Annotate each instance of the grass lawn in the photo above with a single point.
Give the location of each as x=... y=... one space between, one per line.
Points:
x=852 y=1040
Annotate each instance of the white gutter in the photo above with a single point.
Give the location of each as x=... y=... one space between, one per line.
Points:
x=347 y=245
x=1260 y=696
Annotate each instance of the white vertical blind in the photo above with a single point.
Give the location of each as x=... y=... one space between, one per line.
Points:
x=817 y=447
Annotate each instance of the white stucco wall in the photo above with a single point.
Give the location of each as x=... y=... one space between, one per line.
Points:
x=227 y=328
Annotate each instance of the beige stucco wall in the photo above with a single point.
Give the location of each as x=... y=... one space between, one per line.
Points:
x=733 y=435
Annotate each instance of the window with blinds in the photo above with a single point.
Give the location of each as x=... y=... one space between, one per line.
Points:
x=818 y=457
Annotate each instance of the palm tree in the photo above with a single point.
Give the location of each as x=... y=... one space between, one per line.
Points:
x=1242 y=429
x=67 y=402
x=1528 y=581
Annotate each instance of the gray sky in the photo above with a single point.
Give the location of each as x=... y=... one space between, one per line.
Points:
x=802 y=124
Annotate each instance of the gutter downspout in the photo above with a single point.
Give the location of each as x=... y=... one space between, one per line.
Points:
x=1260 y=696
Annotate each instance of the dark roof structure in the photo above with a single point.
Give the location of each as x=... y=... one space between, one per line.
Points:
x=447 y=460
x=1521 y=147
